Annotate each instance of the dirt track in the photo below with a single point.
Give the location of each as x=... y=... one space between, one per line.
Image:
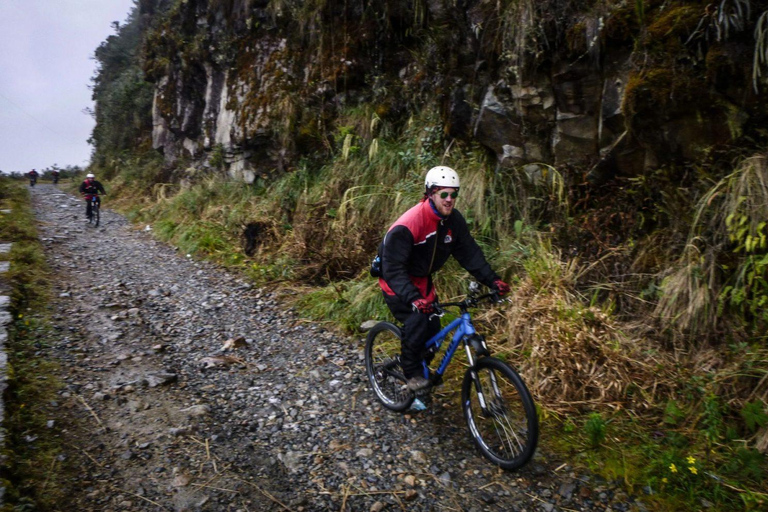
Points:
x=156 y=415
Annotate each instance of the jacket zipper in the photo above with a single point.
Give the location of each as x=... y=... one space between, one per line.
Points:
x=434 y=250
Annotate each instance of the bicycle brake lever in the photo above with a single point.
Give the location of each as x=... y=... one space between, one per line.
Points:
x=438 y=314
x=495 y=299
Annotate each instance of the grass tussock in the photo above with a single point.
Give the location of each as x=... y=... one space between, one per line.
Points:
x=575 y=356
x=723 y=266
x=33 y=474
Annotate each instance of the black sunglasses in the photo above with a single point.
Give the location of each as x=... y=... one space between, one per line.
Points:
x=453 y=195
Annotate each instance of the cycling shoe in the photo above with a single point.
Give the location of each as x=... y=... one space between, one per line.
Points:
x=417 y=405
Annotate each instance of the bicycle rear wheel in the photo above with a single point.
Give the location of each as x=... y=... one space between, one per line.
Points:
x=382 y=364
x=500 y=413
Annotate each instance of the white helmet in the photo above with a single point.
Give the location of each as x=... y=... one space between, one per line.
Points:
x=90 y=175
x=441 y=176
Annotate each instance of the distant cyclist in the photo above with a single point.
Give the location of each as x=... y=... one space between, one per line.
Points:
x=33 y=174
x=90 y=188
x=55 y=176
x=417 y=245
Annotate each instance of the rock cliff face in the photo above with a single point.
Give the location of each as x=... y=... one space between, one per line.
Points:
x=252 y=85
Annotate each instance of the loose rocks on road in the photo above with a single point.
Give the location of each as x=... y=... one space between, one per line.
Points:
x=188 y=389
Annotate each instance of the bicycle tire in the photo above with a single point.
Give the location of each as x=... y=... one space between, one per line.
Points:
x=382 y=364
x=506 y=432
x=96 y=215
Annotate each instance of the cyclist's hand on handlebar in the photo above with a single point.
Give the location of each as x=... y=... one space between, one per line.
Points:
x=501 y=287
x=423 y=306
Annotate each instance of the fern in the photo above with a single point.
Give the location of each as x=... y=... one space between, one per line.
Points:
x=595 y=428
x=754 y=415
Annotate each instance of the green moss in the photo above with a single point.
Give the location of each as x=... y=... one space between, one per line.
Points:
x=676 y=22
x=662 y=91
x=160 y=49
x=576 y=38
x=645 y=90
x=166 y=98
x=723 y=71
x=622 y=25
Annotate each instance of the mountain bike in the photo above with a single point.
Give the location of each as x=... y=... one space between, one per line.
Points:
x=94 y=217
x=32 y=181
x=497 y=405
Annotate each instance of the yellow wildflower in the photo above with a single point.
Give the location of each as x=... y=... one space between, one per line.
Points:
x=664 y=480
x=693 y=470
x=691 y=460
x=673 y=468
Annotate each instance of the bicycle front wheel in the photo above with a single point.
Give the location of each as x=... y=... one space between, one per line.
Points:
x=382 y=364
x=500 y=413
x=96 y=215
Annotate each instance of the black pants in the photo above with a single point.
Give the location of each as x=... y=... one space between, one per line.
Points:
x=88 y=207
x=417 y=330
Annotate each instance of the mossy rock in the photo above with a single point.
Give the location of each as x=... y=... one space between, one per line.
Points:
x=576 y=38
x=677 y=116
x=662 y=91
x=622 y=26
x=675 y=22
x=720 y=68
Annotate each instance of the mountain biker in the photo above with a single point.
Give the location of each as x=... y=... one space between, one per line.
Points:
x=88 y=189
x=33 y=174
x=417 y=245
x=55 y=176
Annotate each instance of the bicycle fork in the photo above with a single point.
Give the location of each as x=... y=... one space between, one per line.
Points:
x=476 y=377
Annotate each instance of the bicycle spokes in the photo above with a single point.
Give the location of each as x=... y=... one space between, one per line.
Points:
x=500 y=414
x=385 y=373
x=389 y=368
x=509 y=440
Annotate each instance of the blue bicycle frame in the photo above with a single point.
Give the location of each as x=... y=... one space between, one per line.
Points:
x=464 y=327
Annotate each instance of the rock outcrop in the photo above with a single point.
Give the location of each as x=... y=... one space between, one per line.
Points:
x=251 y=86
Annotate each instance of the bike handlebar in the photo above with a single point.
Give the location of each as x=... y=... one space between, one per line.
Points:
x=467 y=303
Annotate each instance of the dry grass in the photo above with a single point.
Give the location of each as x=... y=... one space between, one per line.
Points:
x=689 y=294
x=732 y=211
x=575 y=357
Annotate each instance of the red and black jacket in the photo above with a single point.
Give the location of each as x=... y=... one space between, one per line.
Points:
x=419 y=243
x=92 y=188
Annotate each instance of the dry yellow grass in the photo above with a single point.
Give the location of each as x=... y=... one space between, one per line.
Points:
x=574 y=357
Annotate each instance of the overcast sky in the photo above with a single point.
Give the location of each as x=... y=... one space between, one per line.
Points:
x=46 y=49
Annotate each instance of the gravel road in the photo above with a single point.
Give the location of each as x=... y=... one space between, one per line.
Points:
x=186 y=388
